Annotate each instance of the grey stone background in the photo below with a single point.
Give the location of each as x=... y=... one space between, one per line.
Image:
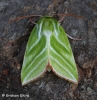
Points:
x=13 y=40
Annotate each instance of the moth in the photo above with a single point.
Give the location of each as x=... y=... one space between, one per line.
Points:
x=48 y=48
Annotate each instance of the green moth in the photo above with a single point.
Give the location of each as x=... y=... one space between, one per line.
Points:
x=48 y=49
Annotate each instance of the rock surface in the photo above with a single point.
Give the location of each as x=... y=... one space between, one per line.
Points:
x=13 y=39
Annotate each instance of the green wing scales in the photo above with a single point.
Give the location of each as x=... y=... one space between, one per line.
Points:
x=48 y=45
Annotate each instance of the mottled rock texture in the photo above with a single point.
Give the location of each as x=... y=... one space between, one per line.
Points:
x=14 y=36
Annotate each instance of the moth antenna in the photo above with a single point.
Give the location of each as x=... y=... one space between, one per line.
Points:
x=22 y=17
x=73 y=15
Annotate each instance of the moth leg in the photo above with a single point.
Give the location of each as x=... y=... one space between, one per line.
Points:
x=31 y=20
x=62 y=18
x=73 y=38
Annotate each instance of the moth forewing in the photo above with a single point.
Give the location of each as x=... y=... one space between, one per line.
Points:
x=48 y=43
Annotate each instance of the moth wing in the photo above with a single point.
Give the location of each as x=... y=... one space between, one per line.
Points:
x=35 y=58
x=61 y=57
